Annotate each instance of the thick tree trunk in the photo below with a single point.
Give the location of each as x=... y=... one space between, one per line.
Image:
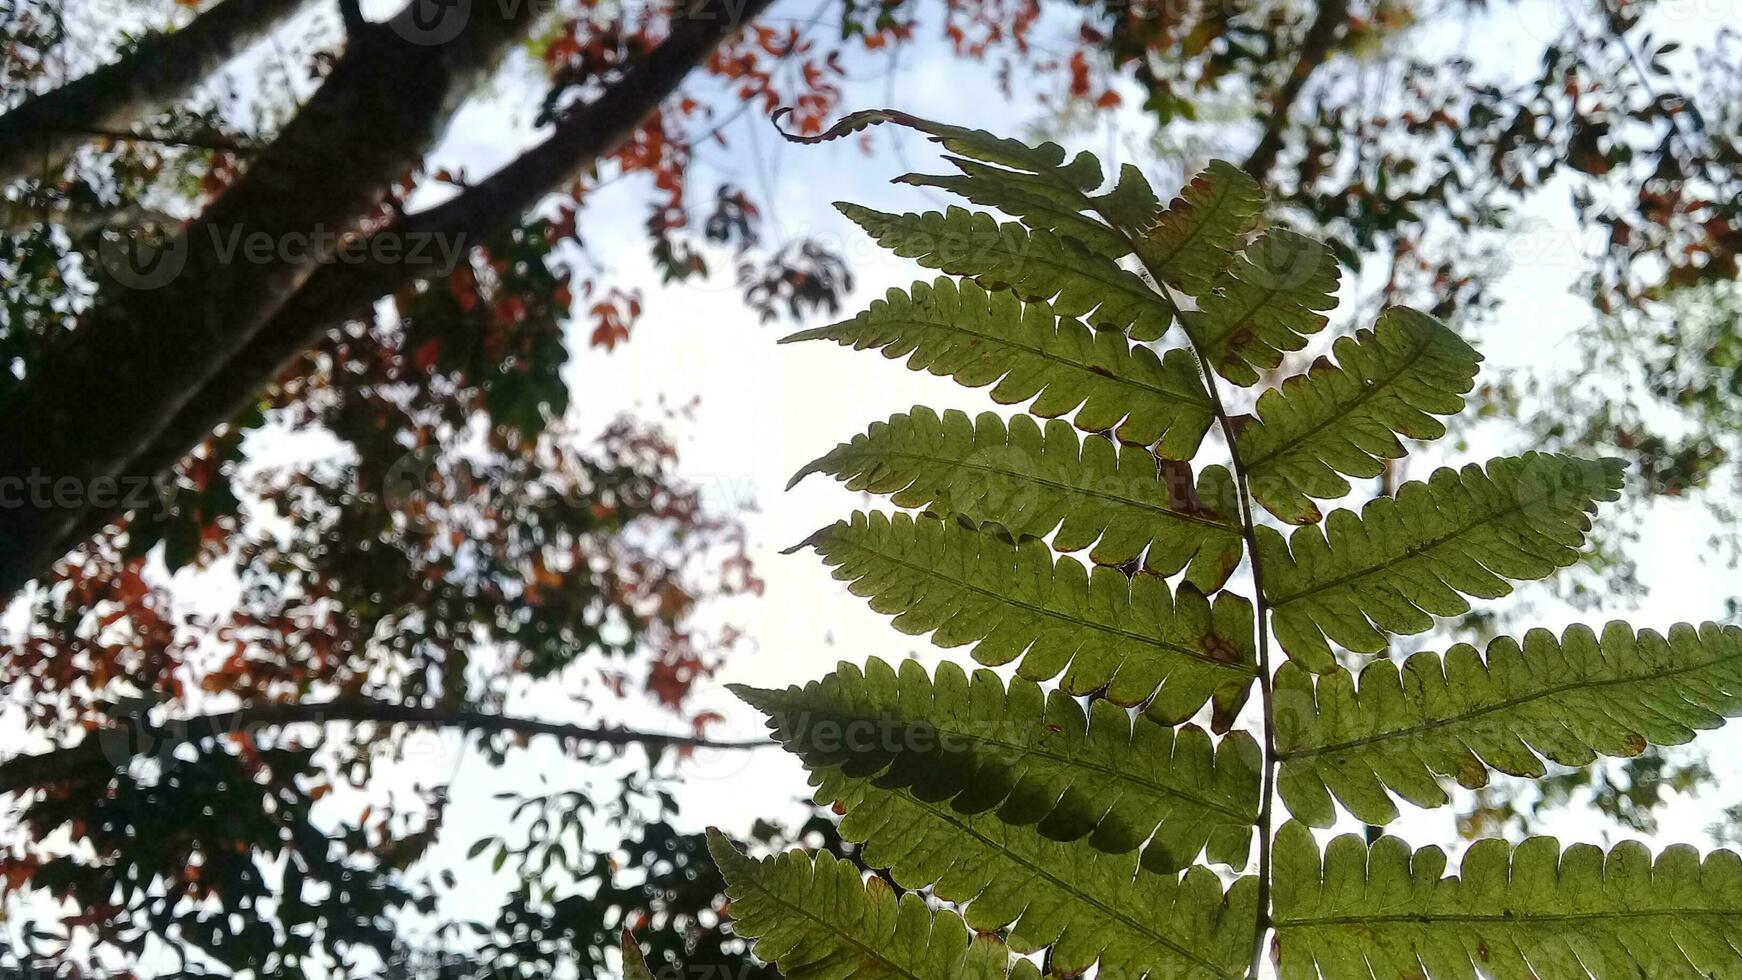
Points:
x=113 y=387
x=340 y=291
x=39 y=134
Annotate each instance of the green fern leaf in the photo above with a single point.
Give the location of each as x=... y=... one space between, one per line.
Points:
x=1264 y=305
x=1037 y=199
x=1567 y=699
x=1406 y=559
x=1036 y=184
x=1187 y=246
x=1344 y=418
x=1190 y=245
x=1534 y=911
x=815 y=919
x=1128 y=636
x=1031 y=759
x=1131 y=204
x=1093 y=493
x=978 y=338
x=634 y=963
x=1085 y=906
x=1037 y=265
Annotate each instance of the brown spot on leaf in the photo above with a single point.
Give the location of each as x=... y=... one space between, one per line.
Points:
x=1176 y=476
x=1218 y=648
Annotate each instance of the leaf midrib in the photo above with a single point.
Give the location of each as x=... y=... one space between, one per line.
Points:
x=1056 y=485
x=1502 y=706
x=1190 y=398
x=1410 y=553
x=1430 y=918
x=1040 y=870
x=1037 y=748
x=1053 y=614
x=1345 y=411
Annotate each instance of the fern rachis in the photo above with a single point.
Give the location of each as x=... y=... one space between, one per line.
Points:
x=1074 y=834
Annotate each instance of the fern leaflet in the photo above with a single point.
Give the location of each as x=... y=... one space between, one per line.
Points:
x=1027 y=351
x=1568 y=699
x=1408 y=558
x=1033 y=482
x=1374 y=913
x=1344 y=418
x=814 y=918
x=1034 y=759
x=1130 y=636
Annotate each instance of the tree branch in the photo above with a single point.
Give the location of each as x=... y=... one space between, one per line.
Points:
x=111 y=747
x=111 y=388
x=45 y=129
x=338 y=291
x=1315 y=47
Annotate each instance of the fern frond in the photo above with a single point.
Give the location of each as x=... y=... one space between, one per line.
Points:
x=1406 y=559
x=1050 y=200
x=1186 y=246
x=1036 y=265
x=1534 y=911
x=1131 y=637
x=1038 y=185
x=1191 y=243
x=815 y=919
x=1345 y=417
x=1085 y=906
x=1567 y=699
x=1033 y=183
x=961 y=331
x=1031 y=759
x=1031 y=482
x=1264 y=305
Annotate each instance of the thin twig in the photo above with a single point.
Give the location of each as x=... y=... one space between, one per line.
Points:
x=25 y=771
x=1314 y=48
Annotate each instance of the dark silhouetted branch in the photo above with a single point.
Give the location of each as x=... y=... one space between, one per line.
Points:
x=1315 y=47
x=105 y=749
